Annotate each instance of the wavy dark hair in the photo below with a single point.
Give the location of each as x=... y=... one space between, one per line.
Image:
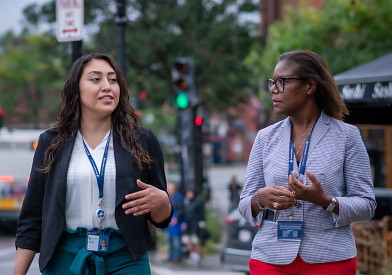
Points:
x=310 y=65
x=125 y=122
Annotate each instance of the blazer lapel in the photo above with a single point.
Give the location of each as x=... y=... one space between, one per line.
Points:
x=61 y=172
x=285 y=137
x=280 y=155
x=320 y=130
x=125 y=180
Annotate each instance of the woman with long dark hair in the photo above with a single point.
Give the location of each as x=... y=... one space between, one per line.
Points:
x=97 y=174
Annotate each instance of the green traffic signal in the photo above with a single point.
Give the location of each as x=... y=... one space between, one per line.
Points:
x=182 y=100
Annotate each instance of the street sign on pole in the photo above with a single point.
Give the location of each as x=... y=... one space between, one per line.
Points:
x=70 y=20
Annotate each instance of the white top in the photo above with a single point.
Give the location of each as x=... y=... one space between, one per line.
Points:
x=82 y=187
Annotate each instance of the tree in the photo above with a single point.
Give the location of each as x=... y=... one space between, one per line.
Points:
x=160 y=31
x=344 y=33
x=31 y=74
x=215 y=34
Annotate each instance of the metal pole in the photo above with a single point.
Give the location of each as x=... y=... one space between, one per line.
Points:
x=121 y=21
x=198 y=150
x=77 y=50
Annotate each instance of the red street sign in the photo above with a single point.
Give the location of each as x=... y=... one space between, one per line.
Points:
x=70 y=20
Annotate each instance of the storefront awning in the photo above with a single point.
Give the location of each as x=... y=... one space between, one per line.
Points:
x=367 y=90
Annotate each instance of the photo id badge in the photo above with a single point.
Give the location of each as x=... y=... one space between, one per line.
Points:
x=290 y=230
x=302 y=179
x=97 y=241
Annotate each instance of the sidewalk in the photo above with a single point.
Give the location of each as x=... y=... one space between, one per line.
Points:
x=210 y=264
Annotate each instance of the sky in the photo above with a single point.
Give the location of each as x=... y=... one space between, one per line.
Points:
x=11 y=13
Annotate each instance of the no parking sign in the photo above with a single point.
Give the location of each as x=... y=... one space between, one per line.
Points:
x=70 y=20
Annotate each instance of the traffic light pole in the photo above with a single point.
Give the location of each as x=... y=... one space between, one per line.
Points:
x=183 y=139
x=198 y=150
x=189 y=131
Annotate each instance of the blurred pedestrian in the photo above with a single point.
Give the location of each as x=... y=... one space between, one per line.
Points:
x=308 y=176
x=194 y=223
x=96 y=174
x=174 y=230
x=235 y=191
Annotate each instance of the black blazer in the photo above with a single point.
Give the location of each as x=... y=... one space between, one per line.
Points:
x=42 y=218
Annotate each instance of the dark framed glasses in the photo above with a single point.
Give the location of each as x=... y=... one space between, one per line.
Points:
x=279 y=83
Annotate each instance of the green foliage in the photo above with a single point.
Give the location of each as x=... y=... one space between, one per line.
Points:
x=29 y=69
x=213 y=225
x=161 y=31
x=345 y=35
x=211 y=32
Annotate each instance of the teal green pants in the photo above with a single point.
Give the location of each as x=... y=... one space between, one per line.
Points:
x=72 y=257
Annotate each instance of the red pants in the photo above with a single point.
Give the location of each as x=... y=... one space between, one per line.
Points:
x=299 y=267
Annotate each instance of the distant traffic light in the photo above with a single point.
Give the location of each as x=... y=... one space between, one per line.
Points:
x=1 y=117
x=198 y=120
x=183 y=82
x=182 y=100
x=142 y=95
x=141 y=100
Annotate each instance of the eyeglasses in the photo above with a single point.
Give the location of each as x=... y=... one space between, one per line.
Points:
x=279 y=83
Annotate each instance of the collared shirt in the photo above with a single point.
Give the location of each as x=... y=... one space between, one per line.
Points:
x=82 y=187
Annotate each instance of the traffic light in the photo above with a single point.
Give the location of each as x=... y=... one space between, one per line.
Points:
x=198 y=120
x=198 y=112
x=141 y=100
x=1 y=117
x=183 y=82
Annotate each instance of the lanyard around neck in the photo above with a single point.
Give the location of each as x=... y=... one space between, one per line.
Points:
x=100 y=175
x=302 y=164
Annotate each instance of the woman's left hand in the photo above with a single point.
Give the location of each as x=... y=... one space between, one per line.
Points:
x=313 y=193
x=149 y=199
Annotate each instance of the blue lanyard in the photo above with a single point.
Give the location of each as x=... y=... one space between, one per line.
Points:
x=100 y=175
x=302 y=164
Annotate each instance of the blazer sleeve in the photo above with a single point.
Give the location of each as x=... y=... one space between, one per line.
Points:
x=156 y=174
x=359 y=203
x=254 y=179
x=28 y=235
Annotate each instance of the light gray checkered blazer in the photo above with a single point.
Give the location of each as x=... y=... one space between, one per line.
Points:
x=338 y=158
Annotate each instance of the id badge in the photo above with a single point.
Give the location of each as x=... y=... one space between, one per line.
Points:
x=290 y=230
x=302 y=179
x=97 y=241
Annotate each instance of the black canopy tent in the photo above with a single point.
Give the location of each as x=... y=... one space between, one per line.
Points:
x=367 y=91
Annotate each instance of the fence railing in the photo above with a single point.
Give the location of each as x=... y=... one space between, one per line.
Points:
x=374 y=245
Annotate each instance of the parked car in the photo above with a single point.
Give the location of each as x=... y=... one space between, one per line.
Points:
x=11 y=198
x=236 y=252
x=237 y=249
